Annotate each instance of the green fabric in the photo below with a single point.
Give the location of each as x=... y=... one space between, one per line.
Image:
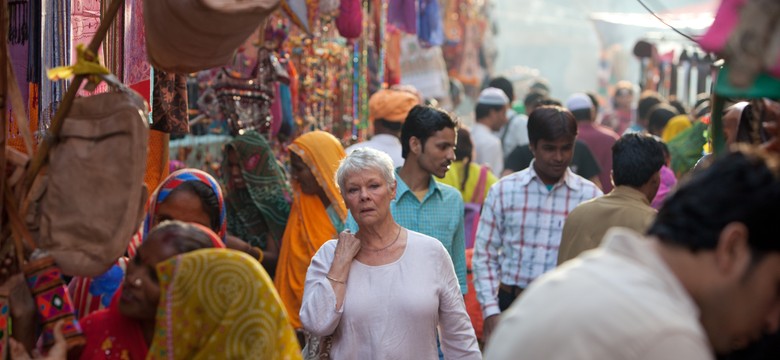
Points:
x=686 y=148
x=549 y=186
x=764 y=85
x=264 y=205
x=335 y=219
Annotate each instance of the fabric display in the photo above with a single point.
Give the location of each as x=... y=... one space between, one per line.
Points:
x=53 y=301
x=169 y=108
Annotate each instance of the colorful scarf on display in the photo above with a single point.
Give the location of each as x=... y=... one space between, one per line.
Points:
x=264 y=206
x=219 y=304
x=92 y=294
x=309 y=225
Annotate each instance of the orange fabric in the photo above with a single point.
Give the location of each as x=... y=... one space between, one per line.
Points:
x=308 y=226
x=14 y=138
x=472 y=305
x=156 y=160
x=391 y=105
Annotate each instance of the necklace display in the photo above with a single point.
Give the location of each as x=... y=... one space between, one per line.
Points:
x=397 y=235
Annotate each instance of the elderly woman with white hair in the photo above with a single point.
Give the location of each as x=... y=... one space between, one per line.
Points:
x=381 y=293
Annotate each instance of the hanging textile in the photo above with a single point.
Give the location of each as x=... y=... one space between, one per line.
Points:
x=113 y=45
x=20 y=16
x=169 y=98
x=56 y=36
x=403 y=14
x=430 y=29
x=136 y=66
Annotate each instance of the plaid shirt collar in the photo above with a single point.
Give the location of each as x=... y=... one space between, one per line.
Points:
x=569 y=178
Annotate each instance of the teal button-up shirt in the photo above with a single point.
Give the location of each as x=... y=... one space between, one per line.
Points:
x=439 y=215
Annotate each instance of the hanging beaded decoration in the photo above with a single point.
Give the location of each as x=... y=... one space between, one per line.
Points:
x=382 y=43
x=53 y=301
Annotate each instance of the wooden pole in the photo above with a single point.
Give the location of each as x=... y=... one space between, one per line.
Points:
x=56 y=125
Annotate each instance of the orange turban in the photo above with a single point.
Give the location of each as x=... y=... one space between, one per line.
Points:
x=391 y=105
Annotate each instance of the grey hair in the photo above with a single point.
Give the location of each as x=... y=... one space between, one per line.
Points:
x=363 y=159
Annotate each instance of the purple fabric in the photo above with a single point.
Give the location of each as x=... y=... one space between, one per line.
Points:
x=599 y=140
x=403 y=14
x=430 y=27
x=19 y=60
x=668 y=180
x=350 y=19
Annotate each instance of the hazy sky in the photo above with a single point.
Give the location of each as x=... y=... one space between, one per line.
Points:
x=558 y=38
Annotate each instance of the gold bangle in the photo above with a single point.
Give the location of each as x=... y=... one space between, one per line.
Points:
x=260 y=255
x=334 y=280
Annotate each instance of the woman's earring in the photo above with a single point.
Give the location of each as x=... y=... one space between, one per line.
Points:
x=137 y=282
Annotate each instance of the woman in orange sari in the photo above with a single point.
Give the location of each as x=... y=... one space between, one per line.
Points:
x=316 y=216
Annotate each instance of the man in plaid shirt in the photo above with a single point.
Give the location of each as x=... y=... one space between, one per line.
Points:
x=522 y=218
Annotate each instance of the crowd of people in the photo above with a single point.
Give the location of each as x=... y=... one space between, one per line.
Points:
x=436 y=240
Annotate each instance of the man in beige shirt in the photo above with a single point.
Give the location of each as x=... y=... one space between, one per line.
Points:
x=636 y=172
x=704 y=281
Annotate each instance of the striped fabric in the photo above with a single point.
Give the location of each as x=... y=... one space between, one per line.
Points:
x=164 y=190
x=520 y=230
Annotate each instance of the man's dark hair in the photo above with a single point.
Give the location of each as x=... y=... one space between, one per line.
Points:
x=595 y=100
x=550 y=123
x=635 y=159
x=483 y=110
x=387 y=124
x=742 y=186
x=541 y=85
x=463 y=151
x=533 y=99
x=505 y=85
x=550 y=102
x=659 y=116
x=422 y=122
x=208 y=199
x=646 y=102
x=679 y=106
x=581 y=114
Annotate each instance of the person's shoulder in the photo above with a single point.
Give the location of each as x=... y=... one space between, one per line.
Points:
x=328 y=248
x=585 y=207
x=517 y=178
x=607 y=132
x=423 y=242
x=631 y=301
x=583 y=185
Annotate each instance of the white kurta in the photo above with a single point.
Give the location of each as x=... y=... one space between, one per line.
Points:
x=391 y=311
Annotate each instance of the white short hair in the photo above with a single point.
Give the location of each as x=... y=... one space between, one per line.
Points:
x=363 y=159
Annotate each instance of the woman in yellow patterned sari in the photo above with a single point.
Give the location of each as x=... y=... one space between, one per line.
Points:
x=219 y=304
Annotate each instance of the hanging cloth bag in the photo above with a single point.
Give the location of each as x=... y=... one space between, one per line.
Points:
x=184 y=36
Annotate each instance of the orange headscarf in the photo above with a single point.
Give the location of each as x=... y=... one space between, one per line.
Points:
x=308 y=226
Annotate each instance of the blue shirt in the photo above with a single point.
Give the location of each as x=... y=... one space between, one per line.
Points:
x=439 y=215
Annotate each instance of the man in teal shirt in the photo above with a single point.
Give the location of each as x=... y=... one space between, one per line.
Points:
x=428 y=139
